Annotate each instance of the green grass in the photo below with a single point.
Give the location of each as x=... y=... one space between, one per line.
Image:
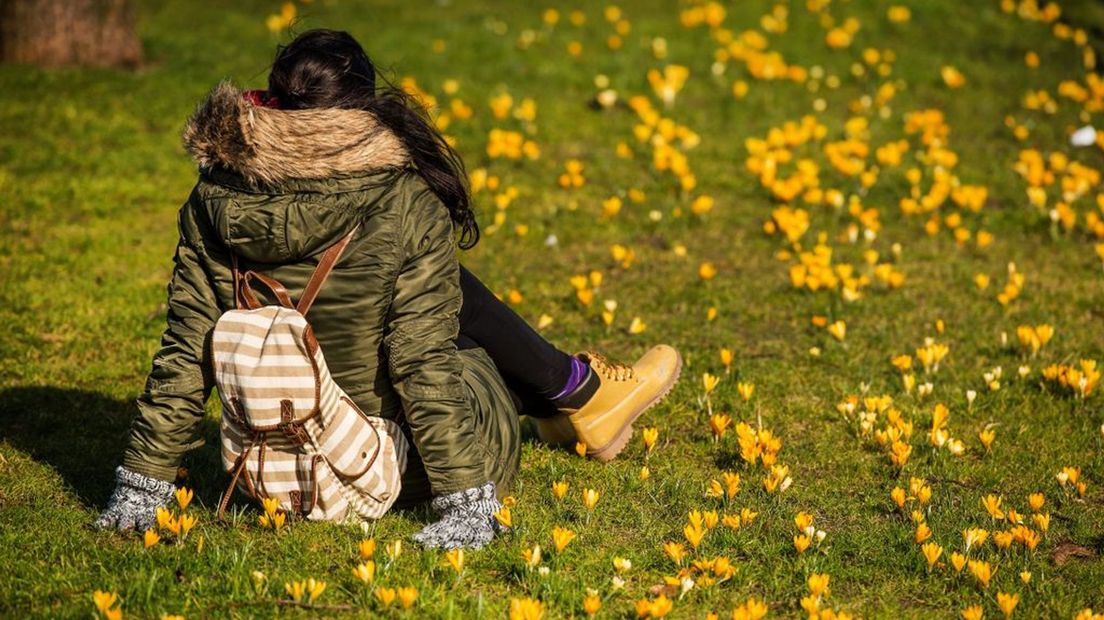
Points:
x=92 y=172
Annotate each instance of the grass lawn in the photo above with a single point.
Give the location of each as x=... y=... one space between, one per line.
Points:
x=92 y=172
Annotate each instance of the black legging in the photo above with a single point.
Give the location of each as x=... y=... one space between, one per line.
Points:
x=534 y=370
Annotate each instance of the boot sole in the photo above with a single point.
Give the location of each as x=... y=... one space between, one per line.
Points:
x=614 y=447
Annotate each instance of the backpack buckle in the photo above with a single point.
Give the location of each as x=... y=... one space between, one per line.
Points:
x=295 y=433
x=292 y=430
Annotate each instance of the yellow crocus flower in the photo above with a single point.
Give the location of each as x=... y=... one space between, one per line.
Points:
x=923 y=532
x=931 y=551
x=183 y=497
x=295 y=590
x=271 y=505
x=394 y=549
x=958 y=561
x=164 y=517
x=455 y=559
x=974 y=536
x=649 y=435
x=526 y=609
x=675 y=551
x=982 y=571
x=973 y=612
x=707 y=271
x=1035 y=501
x=818 y=584
x=987 y=436
x=694 y=534
x=315 y=588
x=991 y=503
x=407 y=596
x=1041 y=521
x=709 y=382
x=745 y=390
x=532 y=557
x=385 y=596
x=104 y=601
x=187 y=522
x=590 y=498
x=365 y=571
x=731 y=483
x=952 y=77
x=591 y=603
x=719 y=423
x=898 y=496
x=367 y=548
x=803 y=521
x=1007 y=603
x=561 y=537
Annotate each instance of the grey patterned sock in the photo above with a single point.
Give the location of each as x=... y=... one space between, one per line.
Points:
x=134 y=503
x=467 y=519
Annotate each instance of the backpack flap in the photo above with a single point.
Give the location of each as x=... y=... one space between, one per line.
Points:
x=265 y=369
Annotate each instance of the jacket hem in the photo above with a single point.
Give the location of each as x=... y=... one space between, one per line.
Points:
x=160 y=472
x=459 y=484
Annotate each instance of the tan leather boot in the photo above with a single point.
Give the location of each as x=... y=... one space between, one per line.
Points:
x=604 y=423
x=556 y=430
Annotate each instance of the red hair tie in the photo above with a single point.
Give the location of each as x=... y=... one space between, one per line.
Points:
x=261 y=98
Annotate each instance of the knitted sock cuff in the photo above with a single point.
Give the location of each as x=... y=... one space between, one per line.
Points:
x=479 y=499
x=134 y=479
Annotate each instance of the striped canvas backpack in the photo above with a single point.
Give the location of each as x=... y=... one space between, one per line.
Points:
x=288 y=431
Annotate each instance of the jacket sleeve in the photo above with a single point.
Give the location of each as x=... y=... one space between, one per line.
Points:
x=171 y=407
x=423 y=362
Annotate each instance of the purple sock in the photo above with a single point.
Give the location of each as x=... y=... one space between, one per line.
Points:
x=578 y=373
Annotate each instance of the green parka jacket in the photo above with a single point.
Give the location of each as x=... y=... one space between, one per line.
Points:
x=276 y=188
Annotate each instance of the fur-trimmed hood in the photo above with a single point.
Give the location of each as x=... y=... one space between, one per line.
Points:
x=269 y=145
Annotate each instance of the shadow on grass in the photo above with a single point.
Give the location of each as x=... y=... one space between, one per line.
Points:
x=82 y=434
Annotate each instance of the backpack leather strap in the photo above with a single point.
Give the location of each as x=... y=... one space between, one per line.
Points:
x=244 y=298
x=239 y=301
x=250 y=299
x=239 y=467
x=322 y=271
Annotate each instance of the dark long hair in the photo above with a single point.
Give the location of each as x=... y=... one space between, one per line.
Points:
x=329 y=69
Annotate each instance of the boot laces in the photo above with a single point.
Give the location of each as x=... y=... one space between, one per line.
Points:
x=609 y=369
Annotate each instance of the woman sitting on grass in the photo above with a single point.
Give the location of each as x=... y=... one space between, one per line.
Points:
x=408 y=333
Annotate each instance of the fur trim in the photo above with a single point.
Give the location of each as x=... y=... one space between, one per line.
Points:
x=267 y=145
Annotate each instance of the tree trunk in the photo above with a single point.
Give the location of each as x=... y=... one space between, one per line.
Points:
x=54 y=33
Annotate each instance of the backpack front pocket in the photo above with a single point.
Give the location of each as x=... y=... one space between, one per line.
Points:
x=350 y=442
